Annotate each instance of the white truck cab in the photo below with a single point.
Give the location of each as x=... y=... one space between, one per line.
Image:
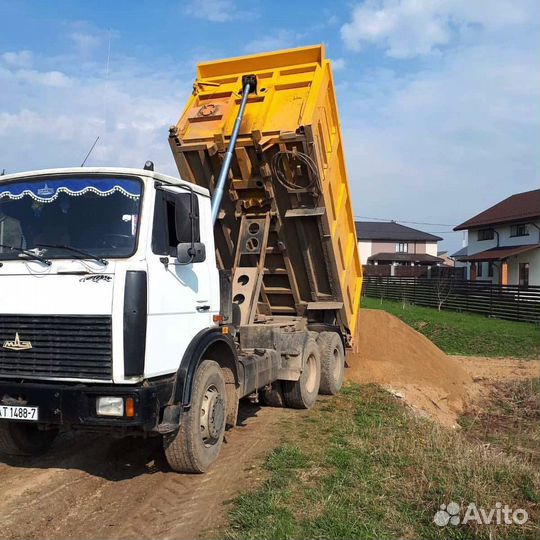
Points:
x=72 y=245
x=97 y=307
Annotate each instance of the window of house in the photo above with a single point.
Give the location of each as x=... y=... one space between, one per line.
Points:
x=402 y=247
x=479 y=268
x=486 y=234
x=521 y=229
x=524 y=274
x=490 y=269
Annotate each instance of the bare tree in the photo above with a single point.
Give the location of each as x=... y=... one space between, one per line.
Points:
x=444 y=285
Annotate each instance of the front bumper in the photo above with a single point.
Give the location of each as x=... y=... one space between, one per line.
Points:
x=75 y=405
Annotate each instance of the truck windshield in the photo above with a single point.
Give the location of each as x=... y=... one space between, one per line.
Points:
x=94 y=216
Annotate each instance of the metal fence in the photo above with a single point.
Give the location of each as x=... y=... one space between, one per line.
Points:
x=510 y=302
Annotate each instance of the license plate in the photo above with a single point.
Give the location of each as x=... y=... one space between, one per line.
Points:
x=12 y=412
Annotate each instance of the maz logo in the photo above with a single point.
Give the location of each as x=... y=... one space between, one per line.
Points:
x=96 y=278
x=17 y=344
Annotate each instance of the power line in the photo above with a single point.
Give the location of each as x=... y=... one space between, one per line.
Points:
x=405 y=221
x=444 y=232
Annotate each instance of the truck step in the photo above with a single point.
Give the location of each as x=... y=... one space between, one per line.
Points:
x=277 y=290
x=277 y=310
x=305 y=212
x=276 y=271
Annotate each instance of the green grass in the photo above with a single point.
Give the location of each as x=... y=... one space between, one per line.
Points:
x=361 y=466
x=466 y=333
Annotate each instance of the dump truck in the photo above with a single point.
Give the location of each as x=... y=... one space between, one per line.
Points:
x=139 y=304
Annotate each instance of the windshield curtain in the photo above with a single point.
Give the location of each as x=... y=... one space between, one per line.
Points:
x=98 y=215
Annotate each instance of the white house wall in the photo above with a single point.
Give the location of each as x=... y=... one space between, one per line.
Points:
x=364 y=246
x=533 y=258
x=505 y=240
x=431 y=248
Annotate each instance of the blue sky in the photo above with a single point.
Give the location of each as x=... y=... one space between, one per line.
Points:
x=438 y=98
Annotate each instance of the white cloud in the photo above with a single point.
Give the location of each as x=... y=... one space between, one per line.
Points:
x=19 y=58
x=454 y=132
x=338 y=63
x=87 y=38
x=65 y=109
x=273 y=40
x=43 y=78
x=213 y=10
x=444 y=144
x=408 y=28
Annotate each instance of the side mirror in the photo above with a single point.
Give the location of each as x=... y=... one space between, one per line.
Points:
x=185 y=254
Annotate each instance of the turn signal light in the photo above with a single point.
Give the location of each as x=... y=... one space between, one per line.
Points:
x=217 y=318
x=130 y=407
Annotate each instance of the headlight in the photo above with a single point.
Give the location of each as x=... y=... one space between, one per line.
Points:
x=110 y=406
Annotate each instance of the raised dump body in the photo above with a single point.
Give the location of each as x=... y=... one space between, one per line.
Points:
x=286 y=226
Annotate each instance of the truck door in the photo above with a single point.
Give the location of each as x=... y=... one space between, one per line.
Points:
x=180 y=297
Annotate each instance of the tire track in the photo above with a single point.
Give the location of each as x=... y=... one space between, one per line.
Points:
x=93 y=486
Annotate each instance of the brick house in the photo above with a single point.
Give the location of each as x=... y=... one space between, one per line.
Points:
x=504 y=241
x=389 y=243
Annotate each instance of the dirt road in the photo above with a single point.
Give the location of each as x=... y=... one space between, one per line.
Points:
x=488 y=370
x=90 y=486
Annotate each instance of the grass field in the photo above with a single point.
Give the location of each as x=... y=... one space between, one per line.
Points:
x=509 y=419
x=362 y=466
x=466 y=333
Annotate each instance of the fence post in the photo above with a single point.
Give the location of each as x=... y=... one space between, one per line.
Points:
x=491 y=301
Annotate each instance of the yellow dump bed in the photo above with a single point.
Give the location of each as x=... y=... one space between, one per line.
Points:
x=286 y=228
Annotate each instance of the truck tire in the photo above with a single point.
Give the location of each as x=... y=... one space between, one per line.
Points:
x=301 y=394
x=273 y=396
x=18 y=439
x=332 y=363
x=196 y=444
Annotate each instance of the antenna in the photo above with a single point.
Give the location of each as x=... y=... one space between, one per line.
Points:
x=106 y=89
x=90 y=151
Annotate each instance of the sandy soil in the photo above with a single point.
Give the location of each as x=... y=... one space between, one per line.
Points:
x=392 y=354
x=488 y=370
x=90 y=486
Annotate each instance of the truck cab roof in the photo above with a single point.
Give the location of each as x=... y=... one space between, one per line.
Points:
x=116 y=171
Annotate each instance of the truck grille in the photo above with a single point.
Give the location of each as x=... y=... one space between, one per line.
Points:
x=63 y=346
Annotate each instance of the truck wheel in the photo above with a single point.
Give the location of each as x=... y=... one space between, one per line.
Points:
x=273 y=396
x=18 y=439
x=301 y=394
x=332 y=362
x=196 y=444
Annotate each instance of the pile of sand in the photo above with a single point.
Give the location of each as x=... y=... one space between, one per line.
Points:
x=403 y=361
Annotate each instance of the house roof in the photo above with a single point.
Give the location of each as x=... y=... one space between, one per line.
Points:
x=390 y=230
x=498 y=253
x=459 y=253
x=405 y=257
x=518 y=207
